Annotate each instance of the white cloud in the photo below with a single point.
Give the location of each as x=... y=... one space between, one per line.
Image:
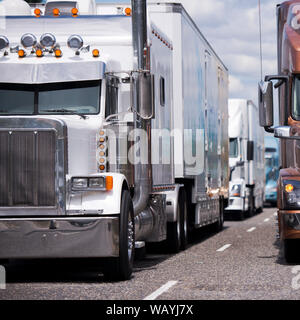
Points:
x=232 y=28
x=235 y=85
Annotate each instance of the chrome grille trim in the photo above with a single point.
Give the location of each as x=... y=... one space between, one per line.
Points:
x=33 y=167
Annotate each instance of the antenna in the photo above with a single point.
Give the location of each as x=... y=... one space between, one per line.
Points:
x=260 y=41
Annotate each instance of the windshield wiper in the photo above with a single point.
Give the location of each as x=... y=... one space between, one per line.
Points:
x=72 y=112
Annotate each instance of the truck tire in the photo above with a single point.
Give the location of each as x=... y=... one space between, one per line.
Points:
x=177 y=231
x=218 y=226
x=291 y=250
x=183 y=219
x=251 y=206
x=242 y=215
x=121 y=268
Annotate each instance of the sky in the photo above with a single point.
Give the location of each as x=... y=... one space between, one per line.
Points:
x=232 y=28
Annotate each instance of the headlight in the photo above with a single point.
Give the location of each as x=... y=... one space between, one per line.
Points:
x=97 y=182
x=28 y=40
x=291 y=190
x=79 y=183
x=48 y=40
x=92 y=184
x=75 y=42
x=292 y=220
x=236 y=190
x=4 y=43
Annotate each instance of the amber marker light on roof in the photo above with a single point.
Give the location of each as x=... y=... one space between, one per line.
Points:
x=96 y=53
x=56 y=12
x=39 y=53
x=74 y=12
x=128 y=11
x=37 y=12
x=58 y=53
x=21 y=53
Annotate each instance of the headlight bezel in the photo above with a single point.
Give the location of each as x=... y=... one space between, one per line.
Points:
x=89 y=183
x=236 y=190
x=291 y=200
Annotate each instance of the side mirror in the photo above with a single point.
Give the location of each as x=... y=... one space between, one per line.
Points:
x=265 y=100
x=250 y=150
x=145 y=95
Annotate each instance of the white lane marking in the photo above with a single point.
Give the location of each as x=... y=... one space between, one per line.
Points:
x=267 y=220
x=251 y=229
x=161 y=290
x=224 y=248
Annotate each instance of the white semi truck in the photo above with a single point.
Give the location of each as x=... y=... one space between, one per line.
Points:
x=113 y=131
x=246 y=159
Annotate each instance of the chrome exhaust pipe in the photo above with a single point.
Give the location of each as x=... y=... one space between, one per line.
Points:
x=143 y=172
x=139 y=30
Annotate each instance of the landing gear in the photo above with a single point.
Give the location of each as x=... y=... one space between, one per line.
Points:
x=121 y=268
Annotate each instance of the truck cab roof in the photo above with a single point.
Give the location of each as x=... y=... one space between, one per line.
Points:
x=101 y=33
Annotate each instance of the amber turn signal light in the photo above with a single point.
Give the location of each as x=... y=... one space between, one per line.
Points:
x=289 y=188
x=109 y=183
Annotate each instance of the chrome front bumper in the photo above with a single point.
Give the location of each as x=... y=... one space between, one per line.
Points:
x=38 y=238
x=235 y=204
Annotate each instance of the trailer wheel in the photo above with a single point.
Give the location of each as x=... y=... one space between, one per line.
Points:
x=177 y=232
x=242 y=215
x=220 y=223
x=290 y=251
x=121 y=268
x=183 y=219
x=251 y=206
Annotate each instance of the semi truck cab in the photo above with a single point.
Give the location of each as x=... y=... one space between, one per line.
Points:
x=103 y=146
x=288 y=84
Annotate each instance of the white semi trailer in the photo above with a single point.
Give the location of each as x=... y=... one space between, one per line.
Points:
x=113 y=131
x=246 y=159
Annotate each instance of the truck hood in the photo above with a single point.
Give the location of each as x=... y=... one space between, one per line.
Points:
x=82 y=144
x=81 y=137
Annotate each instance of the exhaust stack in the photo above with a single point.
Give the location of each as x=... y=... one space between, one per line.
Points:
x=143 y=172
x=139 y=30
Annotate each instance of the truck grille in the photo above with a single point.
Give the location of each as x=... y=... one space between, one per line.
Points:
x=27 y=168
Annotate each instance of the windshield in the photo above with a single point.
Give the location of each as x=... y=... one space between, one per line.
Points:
x=269 y=162
x=233 y=148
x=296 y=104
x=64 y=98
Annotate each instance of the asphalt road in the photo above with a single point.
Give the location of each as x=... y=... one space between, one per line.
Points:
x=241 y=262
